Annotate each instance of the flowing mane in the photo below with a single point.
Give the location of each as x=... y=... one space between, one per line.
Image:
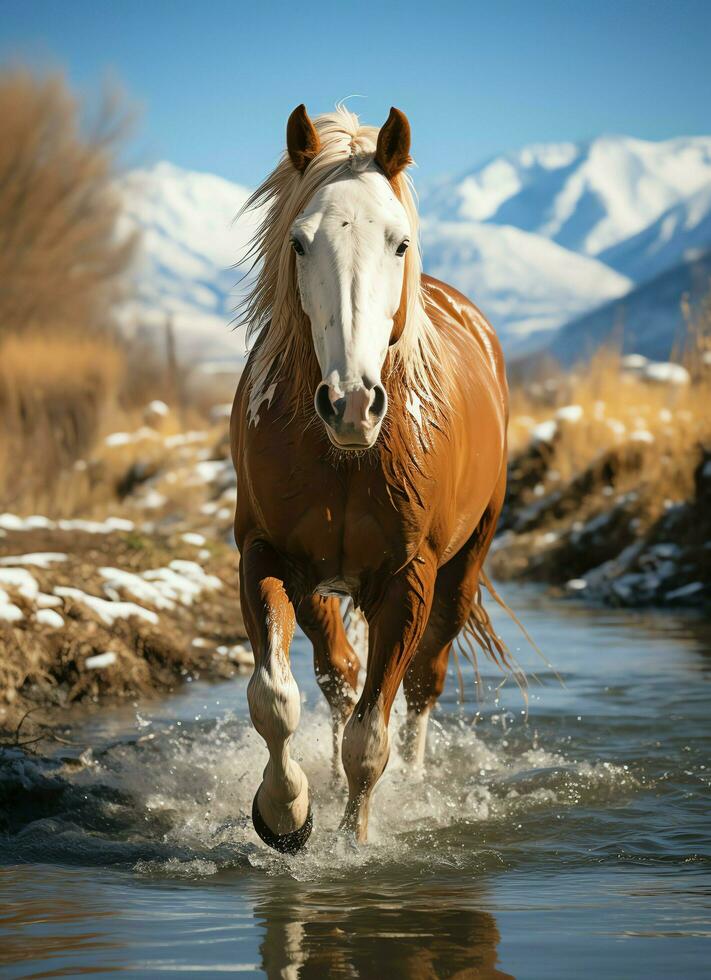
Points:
x=277 y=327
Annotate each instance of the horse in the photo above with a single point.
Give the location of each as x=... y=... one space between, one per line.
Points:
x=368 y=433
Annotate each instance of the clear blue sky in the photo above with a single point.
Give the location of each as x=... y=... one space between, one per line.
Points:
x=215 y=80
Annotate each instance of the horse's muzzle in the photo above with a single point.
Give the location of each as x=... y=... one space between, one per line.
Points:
x=352 y=415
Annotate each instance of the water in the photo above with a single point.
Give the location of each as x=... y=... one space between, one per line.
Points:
x=573 y=841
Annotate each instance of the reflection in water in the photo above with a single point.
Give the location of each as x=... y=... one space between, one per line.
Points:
x=38 y=927
x=311 y=932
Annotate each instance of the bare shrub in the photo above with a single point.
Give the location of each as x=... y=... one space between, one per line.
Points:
x=60 y=258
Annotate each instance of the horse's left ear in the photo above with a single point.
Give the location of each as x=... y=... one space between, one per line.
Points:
x=302 y=140
x=393 y=152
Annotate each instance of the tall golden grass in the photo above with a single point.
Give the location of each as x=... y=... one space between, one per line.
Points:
x=57 y=392
x=61 y=271
x=618 y=408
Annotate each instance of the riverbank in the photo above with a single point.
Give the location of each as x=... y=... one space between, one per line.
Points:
x=133 y=600
x=609 y=489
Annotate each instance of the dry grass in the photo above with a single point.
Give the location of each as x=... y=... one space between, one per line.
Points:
x=60 y=258
x=620 y=409
x=56 y=395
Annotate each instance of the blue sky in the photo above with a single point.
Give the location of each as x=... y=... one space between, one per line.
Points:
x=214 y=81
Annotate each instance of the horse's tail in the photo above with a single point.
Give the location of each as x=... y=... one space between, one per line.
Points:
x=478 y=633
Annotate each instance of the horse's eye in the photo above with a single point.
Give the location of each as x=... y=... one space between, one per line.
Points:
x=297 y=246
x=402 y=248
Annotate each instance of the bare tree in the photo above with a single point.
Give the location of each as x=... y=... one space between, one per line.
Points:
x=61 y=259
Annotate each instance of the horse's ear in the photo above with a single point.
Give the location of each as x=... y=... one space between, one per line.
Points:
x=393 y=152
x=302 y=140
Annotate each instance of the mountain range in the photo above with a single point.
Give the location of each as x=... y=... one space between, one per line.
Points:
x=553 y=242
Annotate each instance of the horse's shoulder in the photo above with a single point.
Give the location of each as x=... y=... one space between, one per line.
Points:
x=447 y=306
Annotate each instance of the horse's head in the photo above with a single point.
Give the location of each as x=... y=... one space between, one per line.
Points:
x=350 y=243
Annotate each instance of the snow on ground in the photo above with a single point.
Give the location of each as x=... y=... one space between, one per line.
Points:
x=108 y=611
x=11 y=522
x=21 y=580
x=40 y=559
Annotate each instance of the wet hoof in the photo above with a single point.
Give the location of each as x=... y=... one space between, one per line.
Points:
x=284 y=843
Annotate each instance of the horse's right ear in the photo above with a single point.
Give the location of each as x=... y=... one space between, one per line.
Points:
x=302 y=140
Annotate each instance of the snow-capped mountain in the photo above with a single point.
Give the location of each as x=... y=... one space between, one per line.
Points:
x=538 y=238
x=587 y=197
x=679 y=235
x=185 y=268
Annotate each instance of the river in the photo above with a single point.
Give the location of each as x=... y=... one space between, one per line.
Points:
x=567 y=839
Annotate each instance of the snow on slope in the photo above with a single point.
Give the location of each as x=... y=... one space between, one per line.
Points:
x=523 y=282
x=650 y=317
x=185 y=266
x=678 y=235
x=587 y=197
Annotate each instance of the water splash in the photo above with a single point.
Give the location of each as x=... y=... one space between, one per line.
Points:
x=174 y=799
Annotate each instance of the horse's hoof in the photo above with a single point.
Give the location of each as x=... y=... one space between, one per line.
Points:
x=284 y=843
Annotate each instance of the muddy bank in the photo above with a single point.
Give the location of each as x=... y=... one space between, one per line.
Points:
x=602 y=535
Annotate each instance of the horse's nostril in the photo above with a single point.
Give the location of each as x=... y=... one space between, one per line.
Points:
x=377 y=407
x=323 y=403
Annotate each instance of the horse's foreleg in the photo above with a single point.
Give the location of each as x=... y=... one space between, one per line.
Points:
x=395 y=629
x=281 y=812
x=335 y=661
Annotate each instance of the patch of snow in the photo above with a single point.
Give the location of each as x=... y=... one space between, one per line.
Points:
x=157 y=407
x=9 y=612
x=151 y=499
x=108 y=612
x=21 y=580
x=576 y=584
x=117 y=580
x=545 y=431
x=48 y=617
x=570 y=413
x=97 y=527
x=239 y=654
x=125 y=438
x=11 y=522
x=209 y=470
x=40 y=559
x=185 y=438
x=666 y=549
x=667 y=373
x=118 y=439
x=619 y=428
x=182 y=582
x=686 y=590
x=190 y=537
x=634 y=363
x=45 y=601
x=100 y=660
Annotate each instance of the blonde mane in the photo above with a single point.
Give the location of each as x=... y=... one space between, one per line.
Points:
x=277 y=327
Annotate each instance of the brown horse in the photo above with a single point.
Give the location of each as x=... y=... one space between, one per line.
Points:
x=369 y=439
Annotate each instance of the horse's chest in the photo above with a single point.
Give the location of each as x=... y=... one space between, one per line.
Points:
x=344 y=532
